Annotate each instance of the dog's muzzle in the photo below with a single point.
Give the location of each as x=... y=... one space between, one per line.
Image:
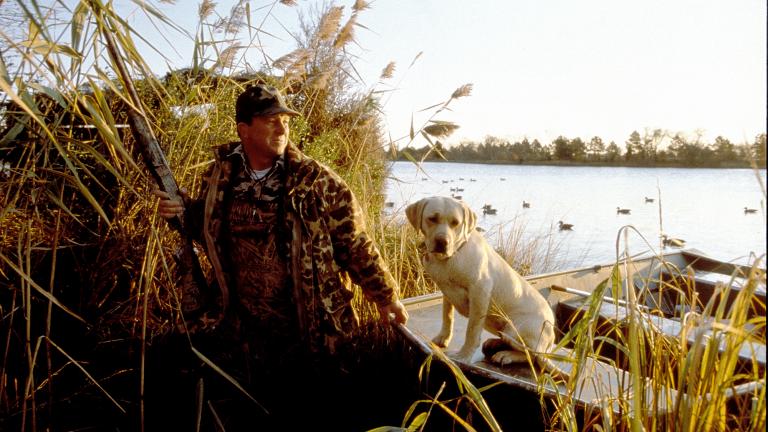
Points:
x=440 y=245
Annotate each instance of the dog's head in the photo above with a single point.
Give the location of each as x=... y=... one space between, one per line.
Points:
x=445 y=222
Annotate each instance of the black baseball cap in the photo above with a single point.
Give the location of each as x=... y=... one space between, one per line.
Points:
x=260 y=100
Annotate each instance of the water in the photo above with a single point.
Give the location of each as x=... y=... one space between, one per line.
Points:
x=705 y=207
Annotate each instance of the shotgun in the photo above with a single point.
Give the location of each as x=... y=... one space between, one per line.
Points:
x=195 y=292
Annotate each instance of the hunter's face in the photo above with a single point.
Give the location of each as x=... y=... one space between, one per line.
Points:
x=267 y=136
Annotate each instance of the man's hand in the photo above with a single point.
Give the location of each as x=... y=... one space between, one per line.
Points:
x=168 y=208
x=395 y=308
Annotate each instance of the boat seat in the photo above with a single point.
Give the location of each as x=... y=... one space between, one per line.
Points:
x=750 y=351
x=705 y=285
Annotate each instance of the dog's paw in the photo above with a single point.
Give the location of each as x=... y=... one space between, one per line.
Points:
x=506 y=357
x=442 y=340
x=463 y=356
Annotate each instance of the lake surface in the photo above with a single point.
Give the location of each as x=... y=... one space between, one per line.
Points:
x=705 y=207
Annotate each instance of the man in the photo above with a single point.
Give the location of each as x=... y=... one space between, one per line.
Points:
x=282 y=233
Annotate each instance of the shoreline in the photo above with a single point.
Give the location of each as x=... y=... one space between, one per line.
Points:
x=589 y=164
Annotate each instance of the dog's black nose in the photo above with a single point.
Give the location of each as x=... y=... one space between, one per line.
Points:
x=440 y=244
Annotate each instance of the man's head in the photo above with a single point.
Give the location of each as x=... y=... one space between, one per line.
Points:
x=262 y=124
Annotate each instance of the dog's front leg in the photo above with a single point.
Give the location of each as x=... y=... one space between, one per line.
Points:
x=479 y=302
x=446 y=330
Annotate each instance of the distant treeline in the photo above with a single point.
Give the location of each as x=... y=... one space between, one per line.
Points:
x=654 y=148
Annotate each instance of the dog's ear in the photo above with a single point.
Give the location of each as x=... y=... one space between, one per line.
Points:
x=470 y=219
x=415 y=211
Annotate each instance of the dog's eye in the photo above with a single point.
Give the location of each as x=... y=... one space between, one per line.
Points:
x=432 y=219
x=454 y=223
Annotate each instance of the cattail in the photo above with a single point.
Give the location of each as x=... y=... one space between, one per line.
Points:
x=388 y=71
x=440 y=129
x=347 y=32
x=206 y=9
x=360 y=5
x=329 y=23
x=462 y=91
x=161 y=1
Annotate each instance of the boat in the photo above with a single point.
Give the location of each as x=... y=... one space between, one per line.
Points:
x=704 y=288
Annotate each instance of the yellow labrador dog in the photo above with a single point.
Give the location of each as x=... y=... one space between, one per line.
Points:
x=481 y=285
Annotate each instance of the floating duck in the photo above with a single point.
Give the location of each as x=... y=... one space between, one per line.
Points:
x=389 y=204
x=749 y=210
x=674 y=242
x=454 y=196
x=565 y=226
x=620 y=210
x=649 y=200
x=526 y=204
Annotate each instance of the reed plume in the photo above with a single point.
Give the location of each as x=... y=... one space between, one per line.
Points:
x=329 y=23
x=207 y=7
x=462 y=91
x=440 y=129
x=346 y=34
x=388 y=71
x=360 y=5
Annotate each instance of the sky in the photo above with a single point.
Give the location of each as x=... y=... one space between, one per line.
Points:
x=539 y=68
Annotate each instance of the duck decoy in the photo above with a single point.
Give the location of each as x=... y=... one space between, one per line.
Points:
x=472 y=180
x=620 y=210
x=565 y=226
x=454 y=196
x=649 y=200
x=749 y=210
x=674 y=242
x=526 y=204
x=486 y=207
x=389 y=204
x=490 y=211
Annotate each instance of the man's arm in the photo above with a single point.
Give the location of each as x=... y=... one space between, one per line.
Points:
x=356 y=253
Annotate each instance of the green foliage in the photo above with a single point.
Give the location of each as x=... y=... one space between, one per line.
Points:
x=653 y=148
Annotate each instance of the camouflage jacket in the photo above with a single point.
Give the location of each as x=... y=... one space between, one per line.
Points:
x=328 y=244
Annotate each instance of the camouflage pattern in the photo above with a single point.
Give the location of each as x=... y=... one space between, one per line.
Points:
x=329 y=246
